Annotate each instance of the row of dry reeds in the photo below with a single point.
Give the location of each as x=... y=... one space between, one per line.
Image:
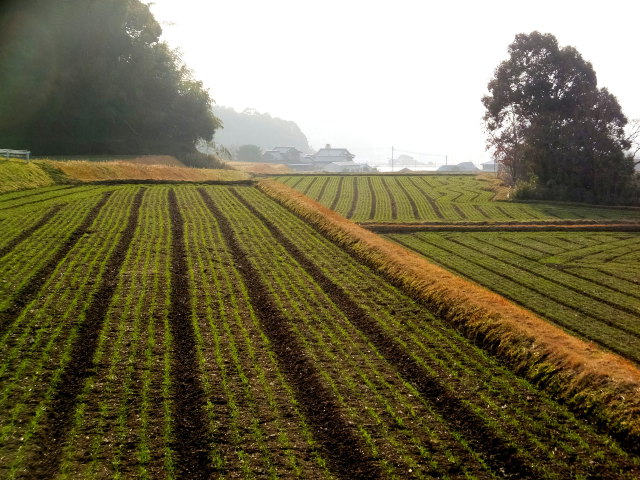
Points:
x=86 y=171
x=593 y=382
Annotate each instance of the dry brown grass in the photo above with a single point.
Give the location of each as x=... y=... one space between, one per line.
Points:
x=501 y=191
x=592 y=381
x=157 y=160
x=260 y=168
x=119 y=170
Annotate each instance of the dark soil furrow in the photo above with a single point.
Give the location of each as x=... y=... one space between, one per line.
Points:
x=552 y=279
x=297 y=182
x=617 y=276
x=533 y=308
x=567 y=269
x=308 y=187
x=29 y=231
x=339 y=441
x=457 y=196
x=372 y=192
x=38 y=201
x=193 y=440
x=496 y=451
x=429 y=198
x=392 y=200
x=459 y=211
x=479 y=209
x=549 y=212
x=323 y=189
x=36 y=193
x=354 y=200
x=31 y=289
x=505 y=213
x=559 y=283
x=414 y=207
x=54 y=427
x=336 y=199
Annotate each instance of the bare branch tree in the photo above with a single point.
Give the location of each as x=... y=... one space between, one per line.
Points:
x=633 y=137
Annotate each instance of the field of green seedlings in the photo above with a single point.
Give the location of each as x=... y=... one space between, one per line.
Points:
x=586 y=282
x=432 y=198
x=207 y=332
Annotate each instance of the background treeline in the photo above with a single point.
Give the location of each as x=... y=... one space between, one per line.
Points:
x=259 y=129
x=92 y=77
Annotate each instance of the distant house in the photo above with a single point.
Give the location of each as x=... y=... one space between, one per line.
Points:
x=285 y=155
x=327 y=155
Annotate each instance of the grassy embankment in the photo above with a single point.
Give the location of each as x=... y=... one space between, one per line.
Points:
x=18 y=174
x=593 y=382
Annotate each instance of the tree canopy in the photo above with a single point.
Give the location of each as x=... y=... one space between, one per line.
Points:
x=550 y=125
x=249 y=153
x=93 y=77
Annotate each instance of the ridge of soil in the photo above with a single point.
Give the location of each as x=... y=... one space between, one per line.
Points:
x=343 y=449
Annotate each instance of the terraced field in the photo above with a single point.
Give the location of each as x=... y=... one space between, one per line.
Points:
x=588 y=283
x=207 y=332
x=433 y=198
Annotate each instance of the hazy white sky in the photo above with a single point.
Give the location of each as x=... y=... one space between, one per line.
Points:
x=367 y=75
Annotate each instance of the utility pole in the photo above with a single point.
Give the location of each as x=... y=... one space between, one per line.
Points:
x=392 y=159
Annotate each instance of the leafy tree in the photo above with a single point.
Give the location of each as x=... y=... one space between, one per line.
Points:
x=93 y=77
x=550 y=125
x=249 y=153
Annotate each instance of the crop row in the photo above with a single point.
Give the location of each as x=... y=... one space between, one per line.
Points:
x=41 y=341
x=604 y=310
x=432 y=198
x=391 y=323
x=194 y=332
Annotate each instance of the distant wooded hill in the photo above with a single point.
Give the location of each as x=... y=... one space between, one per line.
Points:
x=253 y=128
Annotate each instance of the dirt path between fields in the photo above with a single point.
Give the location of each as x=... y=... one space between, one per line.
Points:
x=552 y=226
x=193 y=440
